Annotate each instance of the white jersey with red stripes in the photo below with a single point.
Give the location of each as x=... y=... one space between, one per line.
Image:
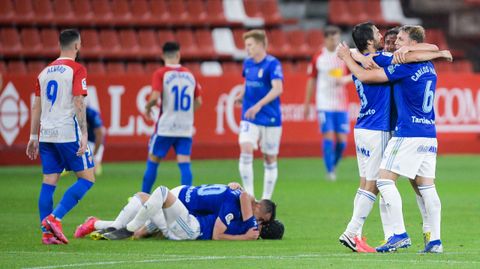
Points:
x=56 y=86
x=178 y=89
x=327 y=68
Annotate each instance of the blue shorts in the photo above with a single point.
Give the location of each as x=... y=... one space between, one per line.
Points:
x=159 y=145
x=58 y=156
x=334 y=121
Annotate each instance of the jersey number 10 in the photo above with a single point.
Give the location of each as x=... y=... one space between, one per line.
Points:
x=182 y=100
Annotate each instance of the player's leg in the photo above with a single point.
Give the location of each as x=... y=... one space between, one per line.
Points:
x=129 y=211
x=183 y=149
x=342 y=128
x=328 y=145
x=151 y=209
x=423 y=211
x=270 y=144
x=248 y=140
x=157 y=149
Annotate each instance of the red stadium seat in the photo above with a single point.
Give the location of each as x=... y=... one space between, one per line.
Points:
x=216 y=15
x=97 y=68
x=160 y=12
x=63 y=12
x=90 y=43
x=83 y=13
x=358 y=11
x=338 y=12
x=43 y=11
x=194 y=67
x=129 y=42
x=115 y=68
x=178 y=13
x=17 y=67
x=151 y=67
x=7 y=12
x=102 y=13
x=288 y=67
x=374 y=13
x=121 y=12
x=238 y=37
x=141 y=14
x=24 y=13
x=149 y=47
x=297 y=41
x=50 y=46
x=252 y=8
x=165 y=36
x=232 y=68
x=196 y=12
x=463 y=66
x=315 y=40
x=205 y=43
x=31 y=43
x=35 y=67
x=3 y=67
x=436 y=36
x=187 y=42
x=278 y=45
x=10 y=40
x=270 y=12
x=110 y=43
x=302 y=66
x=135 y=68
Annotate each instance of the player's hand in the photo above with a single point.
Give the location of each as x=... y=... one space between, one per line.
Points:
x=238 y=100
x=306 y=111
x=252 y=234
x=252 y=112
x=148 y=112
x=399 y=55
x=343 y=51
x=141 y=233
x=32 y=149
x=235 y=186
x=83 y=145
x=368 y=62
x=447 y=55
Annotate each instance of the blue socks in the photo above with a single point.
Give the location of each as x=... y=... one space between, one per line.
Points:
x=328 y=155
x=186 y=173
x=71 y=197
x=149 y=176
x=45 y=201
x=339 y=149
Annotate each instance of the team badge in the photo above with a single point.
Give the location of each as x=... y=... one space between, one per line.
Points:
x=260 y=73
x=84 y=84
x=229 y=218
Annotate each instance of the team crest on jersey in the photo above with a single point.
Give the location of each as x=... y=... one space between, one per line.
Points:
x=391 y=68
x=229 y=218
x=84 y=84
x=386 y=53
x=260 y=73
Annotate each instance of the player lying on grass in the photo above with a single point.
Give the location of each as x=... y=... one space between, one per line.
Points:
x=205 y=212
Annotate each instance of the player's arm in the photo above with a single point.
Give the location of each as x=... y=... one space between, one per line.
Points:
x=220 y=228
x=246 y=205
x=81 y=115
x=152 y=101
x=276 y=91
x=421 y=56
x=366 y=76
x=239 y=96
x=366 y=61
x=400 y=55
x=311 y=82
x=32 y=147
x=197 y=102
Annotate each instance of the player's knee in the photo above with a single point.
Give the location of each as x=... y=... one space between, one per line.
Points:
x=183 y=158
x=142 y=196
x=246 y=148
x=269 y=159
x=154 y=158
x=329 y=135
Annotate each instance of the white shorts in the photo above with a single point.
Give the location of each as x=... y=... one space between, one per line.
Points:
x=370 y=146
x=411 y=156
x=181 y=224
x=98 y=158
x=268 y=137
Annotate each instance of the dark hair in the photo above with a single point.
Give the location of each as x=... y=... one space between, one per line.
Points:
x=272 y=230
x=361 y=34
x=269 y=207
x=392 y=31
x=67 y=37
x=170 y=47
x=331 y=30
x=415 y=32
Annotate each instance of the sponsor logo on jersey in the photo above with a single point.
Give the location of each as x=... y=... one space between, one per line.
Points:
x=363 y=151
x=260 y=73
x=228 y=218
x=391 y=68
x=84 y=83
x=427 y=149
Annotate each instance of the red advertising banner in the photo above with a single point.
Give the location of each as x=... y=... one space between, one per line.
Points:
x=121 y=100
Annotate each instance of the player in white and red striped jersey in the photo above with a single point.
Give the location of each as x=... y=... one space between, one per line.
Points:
x=327 y=74
x=180 y=95
x=59 y=114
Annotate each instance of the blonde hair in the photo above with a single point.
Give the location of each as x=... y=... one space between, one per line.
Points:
x=415 y=32
x=257 y=35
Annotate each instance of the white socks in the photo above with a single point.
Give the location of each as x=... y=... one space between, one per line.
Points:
x=245 y=166
x=127 y=213
x=433 y=208
x=102 y=224
x=423 y=212
x=385 y=217
x=393 y=202
x=361 y=210
x=269 y=179
x=355 y=201
x=153 y=205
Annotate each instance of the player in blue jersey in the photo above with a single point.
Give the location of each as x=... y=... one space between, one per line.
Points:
x=261 y=114
x=59 y=133
x=412 y=151
x=96 y=137
x=372 y=130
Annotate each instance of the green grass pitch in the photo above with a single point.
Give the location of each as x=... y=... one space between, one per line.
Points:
x=314 y=211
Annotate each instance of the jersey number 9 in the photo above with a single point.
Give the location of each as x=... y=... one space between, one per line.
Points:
x=52 y=89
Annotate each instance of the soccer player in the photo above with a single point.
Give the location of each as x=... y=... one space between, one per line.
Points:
x=412 y=151
x=96 y=137
x=58 y=113
x=180 y=95
x=389 y=40
x=372 y=131
x=261 y=115
x=326 y=75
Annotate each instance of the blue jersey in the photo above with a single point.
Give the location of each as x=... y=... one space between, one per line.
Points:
x=258 y=82
x=206 y=199
x=375 y=99
x=207 y=222
x=414 y=92
x=93 y=121
x=238 y=227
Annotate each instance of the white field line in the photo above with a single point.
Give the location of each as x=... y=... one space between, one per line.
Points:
x=174 y=258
